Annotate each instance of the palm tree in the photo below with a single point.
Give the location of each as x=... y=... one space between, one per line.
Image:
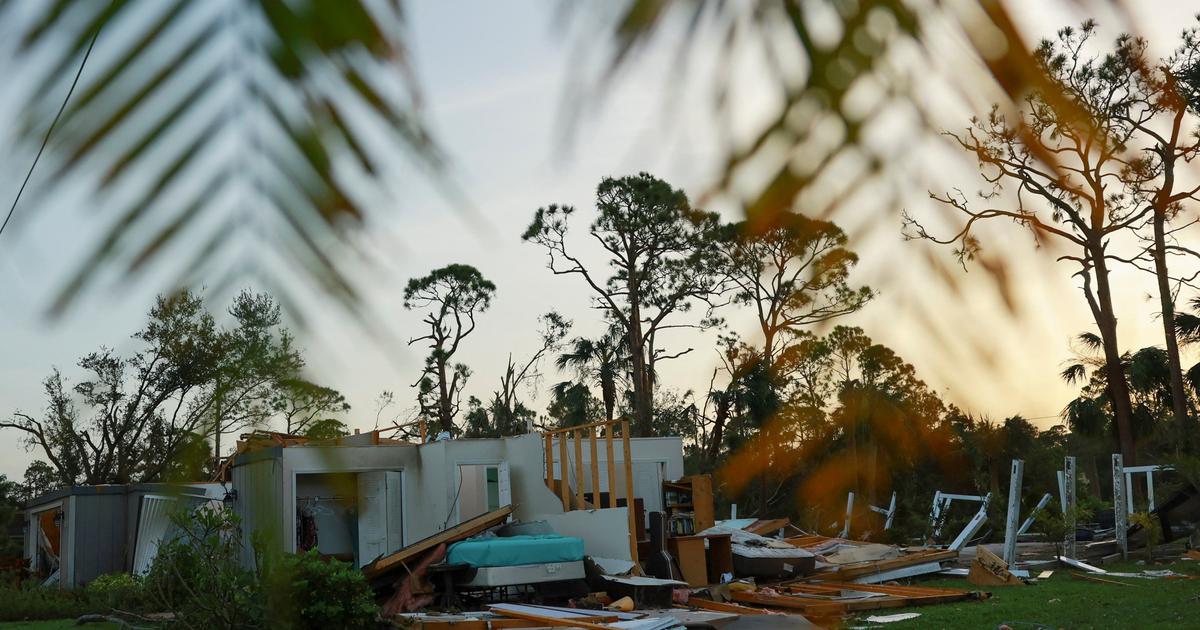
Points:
x=239 y=137
x=602 y=361
x=1149 y=377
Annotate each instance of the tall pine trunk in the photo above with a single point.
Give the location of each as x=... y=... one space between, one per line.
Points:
x=1106 y=321
x=1167 y=308
x=637 y=355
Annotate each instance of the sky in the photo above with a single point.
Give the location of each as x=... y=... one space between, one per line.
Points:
x=495 y=79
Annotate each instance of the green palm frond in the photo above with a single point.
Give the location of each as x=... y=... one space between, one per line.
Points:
x=1074 y=373
x=243 y=135
x=1187 y=326
x=1090 y=340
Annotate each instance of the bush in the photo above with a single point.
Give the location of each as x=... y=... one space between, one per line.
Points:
x=42 y=602
x=199 y=576
x=117 y=591
x=309 y=592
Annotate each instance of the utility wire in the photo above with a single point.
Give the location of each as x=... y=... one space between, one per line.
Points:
x=46 y=140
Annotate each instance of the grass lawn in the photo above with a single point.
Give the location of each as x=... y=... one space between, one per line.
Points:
x=1066 y=602
x=57 y=624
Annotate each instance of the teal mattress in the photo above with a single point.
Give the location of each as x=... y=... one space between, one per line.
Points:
x=513 y=551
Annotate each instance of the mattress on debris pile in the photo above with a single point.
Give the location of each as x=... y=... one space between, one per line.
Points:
x=511 y=551
x=760 y=556
x=492 y=577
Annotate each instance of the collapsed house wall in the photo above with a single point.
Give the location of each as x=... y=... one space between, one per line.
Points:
x=98 y=533
x=267 y=488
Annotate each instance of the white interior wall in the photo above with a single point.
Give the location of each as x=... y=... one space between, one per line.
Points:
x=430 y=476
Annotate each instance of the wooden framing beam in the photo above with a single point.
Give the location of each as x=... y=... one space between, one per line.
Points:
x=549 y=462
x=578 y=437
x=629 y=491
x=612 y=468
x=595 y=468
x=564 y=488
x=584 y=426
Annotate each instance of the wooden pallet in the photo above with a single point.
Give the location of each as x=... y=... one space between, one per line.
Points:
x=847 y=572
x=826 y=599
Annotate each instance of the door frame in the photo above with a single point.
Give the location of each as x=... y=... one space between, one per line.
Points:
x=455 y=479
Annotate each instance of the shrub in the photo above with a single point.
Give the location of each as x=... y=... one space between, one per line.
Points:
x=118 y=591
x=198 y=575
x=42 y=602
x=309 y=592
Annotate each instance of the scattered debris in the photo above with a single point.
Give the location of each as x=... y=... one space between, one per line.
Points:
x=831 y=599
x=892 y=618
x=1071 y=562
x=1093 y=578
x=988 y=569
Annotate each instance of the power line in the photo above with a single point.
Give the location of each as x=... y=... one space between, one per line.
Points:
x=46 y=140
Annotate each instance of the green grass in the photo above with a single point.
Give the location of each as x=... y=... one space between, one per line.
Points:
x=56 y=624
x=1066 y=602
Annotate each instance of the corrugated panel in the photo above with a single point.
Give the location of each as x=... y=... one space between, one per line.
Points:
x=154 y=521
x=259 y=504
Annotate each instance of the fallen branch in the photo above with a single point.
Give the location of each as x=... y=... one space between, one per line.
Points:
x=86 y=619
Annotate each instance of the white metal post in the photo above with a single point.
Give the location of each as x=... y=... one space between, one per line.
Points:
x=1068 y=500
x=1062 y=491
x=1150 y=489
x=888 y=514
x=1128 y=492
x=849 y=509
x=1120 y=517
x=1014 y=511
x=1033 y=515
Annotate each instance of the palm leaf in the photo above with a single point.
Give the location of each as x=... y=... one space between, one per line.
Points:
x=1074 y=373
x=1090 y=340
x=1187 y=326
x=225 y=132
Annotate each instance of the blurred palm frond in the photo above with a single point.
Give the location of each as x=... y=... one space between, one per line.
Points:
x=242 y=134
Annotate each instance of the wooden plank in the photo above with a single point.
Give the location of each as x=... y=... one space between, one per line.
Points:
x=554 y=621
x=612 y=468
x=629 y=492
x=604 y=423
x=579 y=504
x=565 y=488
x=764 y=527
x=556 y=612
x=460 y=531
x=1093 y=578
x=706 y=604
x=689 y=551
x=886 y=589
x=549 y=462
x=859 y=569
x=702 y=502
x=595 y=468
x=453 y=624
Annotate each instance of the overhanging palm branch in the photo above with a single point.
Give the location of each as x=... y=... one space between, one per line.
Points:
x=242 y=135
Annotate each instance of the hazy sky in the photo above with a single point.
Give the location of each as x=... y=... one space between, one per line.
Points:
x=495 y=77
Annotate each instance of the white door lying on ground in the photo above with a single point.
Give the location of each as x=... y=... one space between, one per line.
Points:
x=380 y=524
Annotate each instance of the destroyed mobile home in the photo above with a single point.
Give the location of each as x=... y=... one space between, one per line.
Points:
x=578 y=527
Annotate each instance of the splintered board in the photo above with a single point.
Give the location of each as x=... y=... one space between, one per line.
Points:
x=859 y=569
x=828 y=598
